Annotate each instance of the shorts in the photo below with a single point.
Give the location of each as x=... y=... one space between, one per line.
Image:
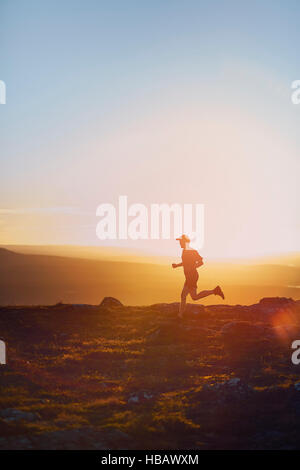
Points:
x=191 y=280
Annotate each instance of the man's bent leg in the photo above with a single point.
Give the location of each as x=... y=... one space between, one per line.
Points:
x=203 y=293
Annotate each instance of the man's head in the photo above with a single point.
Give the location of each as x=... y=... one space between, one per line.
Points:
x=183 y=240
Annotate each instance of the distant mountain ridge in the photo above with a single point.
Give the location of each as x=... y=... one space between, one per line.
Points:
x=6 y=254
x=33 y=279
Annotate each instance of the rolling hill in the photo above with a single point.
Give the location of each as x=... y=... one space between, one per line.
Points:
x=47 y=279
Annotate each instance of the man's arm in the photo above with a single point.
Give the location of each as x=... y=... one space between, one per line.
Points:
x=174 y=265
x=199 y=261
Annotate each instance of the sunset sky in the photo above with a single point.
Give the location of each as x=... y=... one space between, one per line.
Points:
x=162 y=101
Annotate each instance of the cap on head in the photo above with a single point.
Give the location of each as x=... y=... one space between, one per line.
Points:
x=184 y=238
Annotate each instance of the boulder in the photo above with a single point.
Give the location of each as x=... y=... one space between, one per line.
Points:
x=166 y=309
x=276 y=301
x=110 y=302
x=272 y=305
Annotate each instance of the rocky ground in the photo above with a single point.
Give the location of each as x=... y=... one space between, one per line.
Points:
x=117 y=377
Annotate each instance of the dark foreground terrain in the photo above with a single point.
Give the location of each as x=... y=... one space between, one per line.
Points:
x=115 y=377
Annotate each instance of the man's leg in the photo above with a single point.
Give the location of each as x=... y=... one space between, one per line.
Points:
x=184 y=294
x=204 y=293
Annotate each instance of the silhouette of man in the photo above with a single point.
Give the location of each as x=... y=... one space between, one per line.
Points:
x=191 y=260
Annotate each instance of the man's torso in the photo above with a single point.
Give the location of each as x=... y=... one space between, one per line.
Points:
x=189 y=260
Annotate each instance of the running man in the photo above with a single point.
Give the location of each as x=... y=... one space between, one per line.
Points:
x=191 y=260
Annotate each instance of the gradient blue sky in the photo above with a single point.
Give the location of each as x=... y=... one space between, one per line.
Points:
x=163 y=101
